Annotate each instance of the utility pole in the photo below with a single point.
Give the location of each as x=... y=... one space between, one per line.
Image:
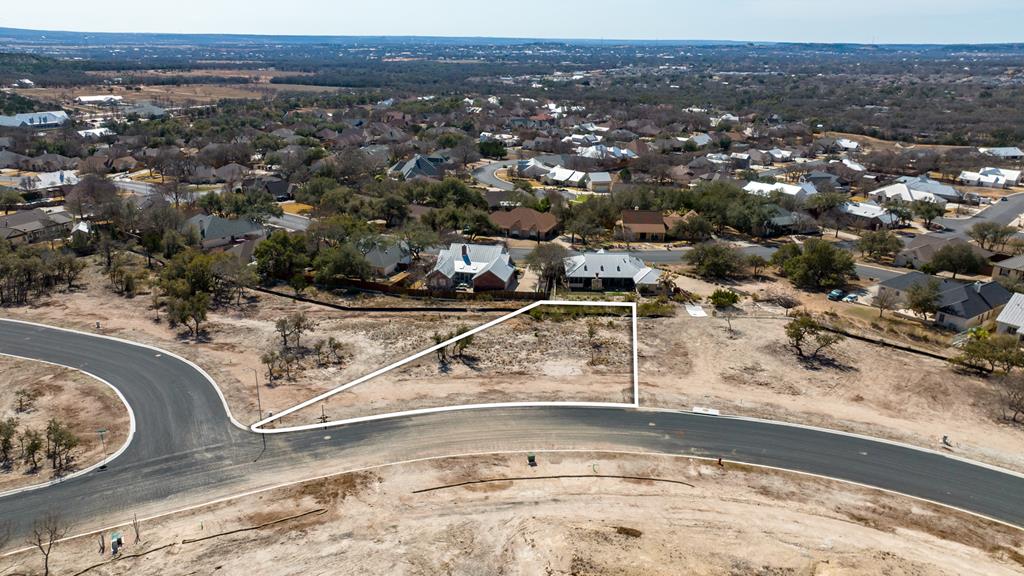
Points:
x=259 y=407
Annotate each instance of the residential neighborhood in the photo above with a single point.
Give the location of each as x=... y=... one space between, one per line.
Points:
x=447 y=289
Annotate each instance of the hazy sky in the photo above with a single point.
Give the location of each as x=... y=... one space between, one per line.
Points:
x=882 y=21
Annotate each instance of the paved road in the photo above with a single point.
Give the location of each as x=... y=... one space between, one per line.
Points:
x=187 y=452
x=999 y=212
x=487 y=176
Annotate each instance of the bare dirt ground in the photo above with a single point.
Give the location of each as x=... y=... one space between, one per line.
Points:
x=80 y=401
x=684 y=362
x=184 y=94
x=668 y=516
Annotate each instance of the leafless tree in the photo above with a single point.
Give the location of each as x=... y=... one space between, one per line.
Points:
x=1013 y=396
x=885 y=300
x=47 y=530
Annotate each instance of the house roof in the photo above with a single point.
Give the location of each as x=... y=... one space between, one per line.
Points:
x=525 y=219
x=1015 y=263
x=214 y=227
x=31 y=220
x=608 y=265
x=959 y=299
x=906 y=193
x=926 y=184
x=475 y=259
x=1013 y=313
x=388 y=256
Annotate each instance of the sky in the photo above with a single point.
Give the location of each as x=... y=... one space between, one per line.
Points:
x=861 y=21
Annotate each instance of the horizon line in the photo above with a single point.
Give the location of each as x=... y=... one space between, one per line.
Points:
x=523 y=39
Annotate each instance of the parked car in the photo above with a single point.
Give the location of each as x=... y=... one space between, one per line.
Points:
x=836 y=295
x=850 y=298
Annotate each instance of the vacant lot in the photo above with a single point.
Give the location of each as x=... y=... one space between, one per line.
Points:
x=33 y=393
x=180 y=95
x=670 y=516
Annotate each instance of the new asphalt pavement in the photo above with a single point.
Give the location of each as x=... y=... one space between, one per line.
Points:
x=186 y=451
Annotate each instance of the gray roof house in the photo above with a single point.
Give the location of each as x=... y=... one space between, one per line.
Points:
x=418 y=166
x=35 y=120
x=34 y=226
x=385 y=260
x=601 y=271
x=1011 y=319
x=480 y=266
x=962 y=305
x=215 y=231
x=926 y=184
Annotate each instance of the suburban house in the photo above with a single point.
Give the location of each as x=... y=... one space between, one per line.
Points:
x=34 y=226
x=962 y=305
x=386 y=260
x=215 y=231
x=526 y=223
x=35 y=120
x=560 y=176
x=418 y=166
x=1004 y=153
x=478 y=266
x=1012 y=268
x=599 y=182
x=800 y=192
x=905 y=193
x=933 y=187
x=990 y=178
x=602 y=271
x=866 y=215
x=1011 y=319
x=643 y=226
x=922 y=249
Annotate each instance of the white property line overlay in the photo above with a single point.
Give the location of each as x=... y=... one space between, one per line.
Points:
x=608 y=452
x=259 y=426
x=654 y=410
x=101 y=463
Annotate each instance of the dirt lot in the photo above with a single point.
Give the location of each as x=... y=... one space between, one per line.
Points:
x=684 y=362
x=184 y=94
x=673 y=516
x=83 y=403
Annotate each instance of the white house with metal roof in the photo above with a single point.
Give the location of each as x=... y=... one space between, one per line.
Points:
x=478 y=266
x=601 y=271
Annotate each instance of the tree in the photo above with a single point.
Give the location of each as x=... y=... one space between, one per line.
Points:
x=927 y=211
x=986 y=352
x=94 y=196
x=820 y=265
x=8 y=429
x=724 y=298
x=879 y=244
x=824 y=206
x=31 y=442
x=784 y=254
x=1012 y=392
x=294 y=325
x=695 y=228
x=923 y=297
x=803 y=330
x=548 y=261
x=343 y=261
x=9 y=199
x=492 y=149
x=885 y=300
x=47 y=530
x=418 y=237
x=958 y=258
x=281 y=256
x=988 y=235
x=189 y=310
x=756 y=263
x=716 y=260
x=60 y=445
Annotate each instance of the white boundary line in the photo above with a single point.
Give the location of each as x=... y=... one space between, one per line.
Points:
x=635 y=404
x=259 y=426
x=105 y=461
x=507 y=452
x=223 y=400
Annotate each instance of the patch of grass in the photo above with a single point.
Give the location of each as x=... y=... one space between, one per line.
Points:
x=562 y=313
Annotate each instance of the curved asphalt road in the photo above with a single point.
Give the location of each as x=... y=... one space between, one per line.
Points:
x=185 y=448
